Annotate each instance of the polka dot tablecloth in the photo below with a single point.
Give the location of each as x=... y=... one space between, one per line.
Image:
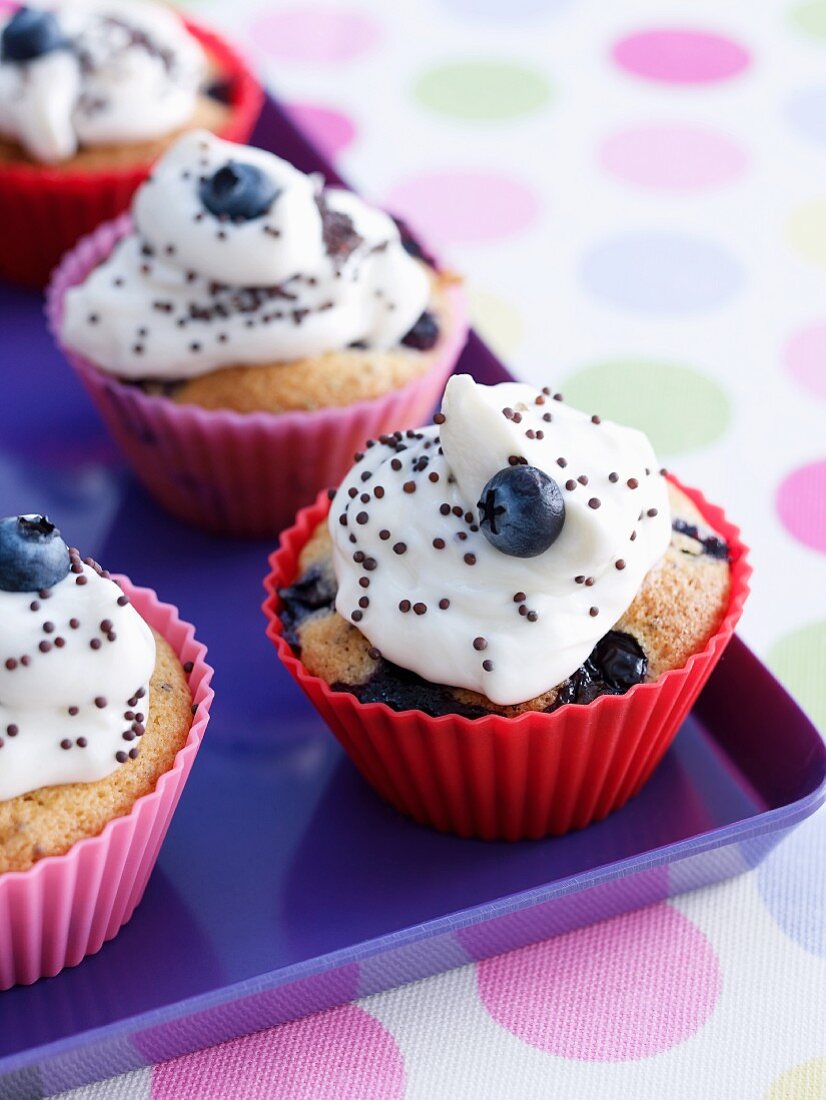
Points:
x=637 y=194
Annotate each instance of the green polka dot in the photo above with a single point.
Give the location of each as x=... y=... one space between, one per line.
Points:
x=811 y=18
x=807 y=231
x=497 y=321
x=679 y=409
x=798 y=659
x=482 y=91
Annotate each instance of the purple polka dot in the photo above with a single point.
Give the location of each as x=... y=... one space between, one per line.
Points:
x=613 y=992
x=680 y=56
x=662 y=273
x=806 y=113
x=673 y=158
x=805 y=357
x=801 y=505
x=792 y=888
x=344 y=1054
x=464 y=207
x=330 y=131
x=315 y=35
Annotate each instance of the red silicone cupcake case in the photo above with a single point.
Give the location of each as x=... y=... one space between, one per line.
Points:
x=46 y=210
x=510 y=778
x=232 y=473
x=66 y=907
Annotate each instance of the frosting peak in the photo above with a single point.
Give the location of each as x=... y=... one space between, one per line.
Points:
x=111 y=71
x=443 y=601
x=285 y=269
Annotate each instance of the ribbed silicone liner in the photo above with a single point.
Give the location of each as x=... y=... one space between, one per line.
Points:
x=233 y=473
x=46 y=210
x=67 y=907
x=509 y=778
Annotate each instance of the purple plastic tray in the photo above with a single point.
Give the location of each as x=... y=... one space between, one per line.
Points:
x=285 y=886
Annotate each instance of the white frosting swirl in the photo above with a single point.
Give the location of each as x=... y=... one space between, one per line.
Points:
x=130 y=72
x=389 y=510
x=187 y=293
x=44 y=743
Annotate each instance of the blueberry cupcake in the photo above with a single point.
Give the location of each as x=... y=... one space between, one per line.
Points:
x=506 y=616
x=249 y=328
x=103 y=701
x=91 y=93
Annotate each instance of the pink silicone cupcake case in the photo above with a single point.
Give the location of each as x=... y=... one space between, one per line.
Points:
x=231 y=473
x=66 y=907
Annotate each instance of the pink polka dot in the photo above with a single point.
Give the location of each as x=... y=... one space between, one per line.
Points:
x=344 y=1054
x=314 y=35
x=680 y=56
x=801 y=504
x=464 y=207
x=330 y=131
x=673 y=158
x=805 y=357
x=616 y=991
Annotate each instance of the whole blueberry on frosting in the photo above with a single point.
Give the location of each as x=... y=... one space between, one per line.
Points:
x=494 y=550
x=521 y=511
x=31 y=33
x=238 y=191
x=237 y=258
x=75 y=663
x=32 y=554
x=94 y=73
